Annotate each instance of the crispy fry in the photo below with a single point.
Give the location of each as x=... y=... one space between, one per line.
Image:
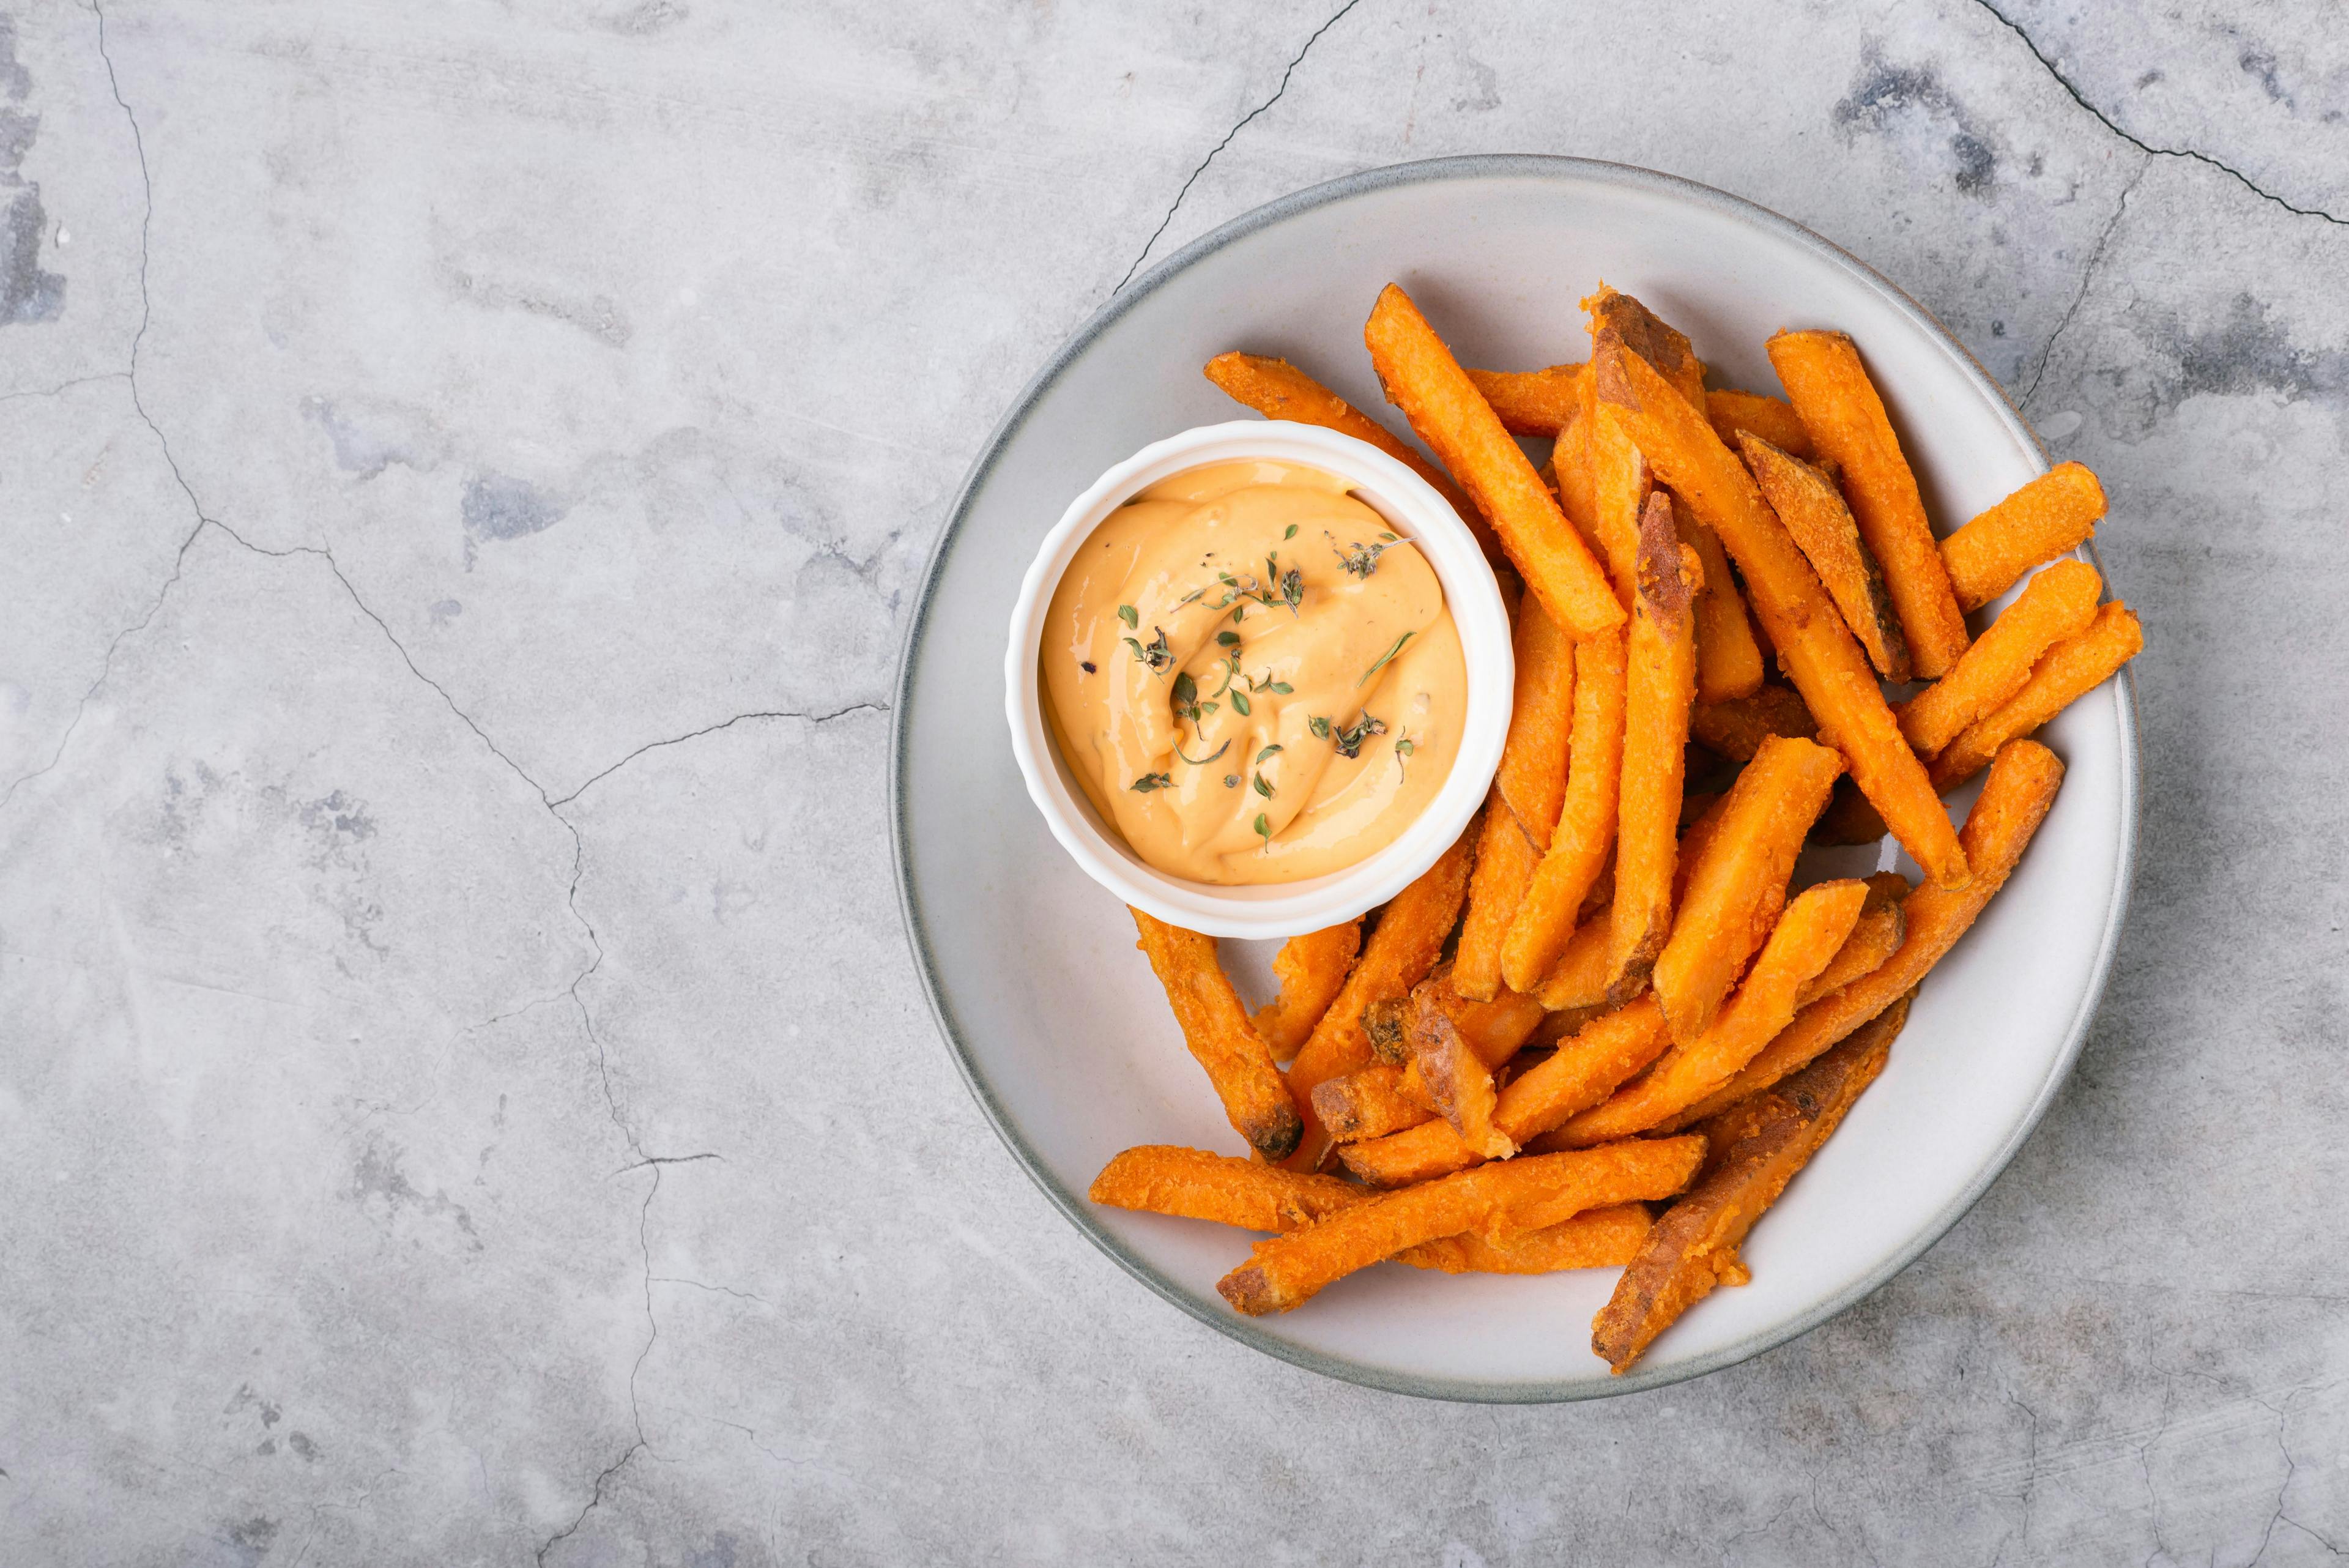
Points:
x=1812 y=510
x=1595 y=1239
x=1756 y=1152
x=2060 y=602
x=1813 y=644
x=1372 y=1102
x=1312 y=970
x=1581 y=1073
x=2052 y=514
x=1659 y=684
x=1217 y=1028
x=1728 y=659
x=1875 y=937
x=1848 y=818
x=1401 y=950
x=1647 y=334
x=1505 y=859
x=1806 y=939
x=1582 y=973
x=2014 y=802
x=1586 y=824
x=1455 y=1078
x=1570 y=473
x=1279 y=391
x=1737 y=729
x=1839 y=406
x=2064 y=673
x=1619 y=479
x=1531 y=402
x=1772 y=418
x=1193 y=1184
x=1496 y=1028
x=1503 y=1199
x=1452 y=417
x=1749 y=854
x=1531 y=776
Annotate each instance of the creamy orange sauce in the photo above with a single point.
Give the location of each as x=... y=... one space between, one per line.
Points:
x=1254 y=677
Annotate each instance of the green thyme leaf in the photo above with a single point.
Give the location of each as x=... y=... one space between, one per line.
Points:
x=1383 y=658
x=1351 y=738
x=1227 y=638
x=1231 y=781
x=1292 y=532
x=1185 y=689
x=1127 y=614
x=1267 y=752
x=1403 y=747
x=1264 y=831
x=1149 y=781
x=1279 y=687
x=1319 y=726
x=1240 y=703
x=1263 y=788
x=1203 y=761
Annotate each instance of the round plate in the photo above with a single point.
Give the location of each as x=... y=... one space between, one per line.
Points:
x=1055 y=1020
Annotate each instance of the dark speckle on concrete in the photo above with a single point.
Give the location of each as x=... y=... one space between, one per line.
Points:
x=377 y=1179
x=250 y=1539
x=1890 y=101
x=497 y=507
x=2247 y=351
x=28 y=293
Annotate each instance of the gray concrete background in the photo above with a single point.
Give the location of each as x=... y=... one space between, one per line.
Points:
x=463 y=1092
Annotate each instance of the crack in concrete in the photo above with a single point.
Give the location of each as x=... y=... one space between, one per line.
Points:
x=2087 y=279
x=1294 y=62
x=62 y=387
x=2105 y=120
x=597 y=777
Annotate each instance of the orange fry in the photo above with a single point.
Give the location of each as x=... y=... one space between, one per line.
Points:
x=1531 y=776
x=1728 y=659
x=2052 y=514
x=1217 y=1028
x=1531 y=402
x=1812 y=510
x=1736 y=728
x=1755 y=1152
x=1452 y=417
x=1279 y=391
x=1505 y=859
x=1586 y=824
x=1193 y=1184
x=1401 y=950
x=1746 y=859
x=1372 y=1102
x=2014 y=802
x=2060 y=602
x=1807 y=938
x=1311 y=969
x=1454 y=1076
x=1659 y=684
x=1582 y=975
x=1619 y=479
x=1498 y=1201
x=1772 y=418
x=1813 y=644
x=1595 y=1239
x=2064 y=673
x=1875 y=937
x=1839 y=406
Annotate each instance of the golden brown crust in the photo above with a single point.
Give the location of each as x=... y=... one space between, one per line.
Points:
x=1584 y=834
x=2054 y=513
x=1506 y=861
x=1875 y=937
x=1531 y=776
x=1772 y=418
x=1532 y=403
x=1455 y=1077
x=1312 y=970
x=2060 y=602
x=1811 y=507
x=1195 y=1184
x=1660 y=685
x=1372 y=1102
x=1216 y=1027
x=1736 y=728
x=1596 y=1238
x=1728 y=660
x=2066 y=673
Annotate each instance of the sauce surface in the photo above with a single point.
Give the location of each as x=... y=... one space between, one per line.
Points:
x=1253 y=677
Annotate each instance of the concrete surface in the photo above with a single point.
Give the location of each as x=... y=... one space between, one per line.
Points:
x=464 y=1097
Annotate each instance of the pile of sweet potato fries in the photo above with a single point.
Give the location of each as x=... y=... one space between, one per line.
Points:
x=1601 y=1031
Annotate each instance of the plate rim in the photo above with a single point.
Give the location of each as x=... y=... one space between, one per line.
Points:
x=1072 y=1205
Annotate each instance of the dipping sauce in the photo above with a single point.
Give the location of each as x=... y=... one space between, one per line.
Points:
x=1254 y=677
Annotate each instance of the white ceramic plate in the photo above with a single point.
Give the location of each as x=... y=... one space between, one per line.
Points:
x=1053 y=1017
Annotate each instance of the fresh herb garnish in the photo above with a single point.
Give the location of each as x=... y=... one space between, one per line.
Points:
x=1127 y=614
x=1086 y=665
x=1381 y=664
x=1319 y=726
x=1403 y=747
x=1263 y=788
x=1227 y=639
x=1149 y=781
x=1240 y=703
x=1292 y=532
x=1155 y=654
x=1267 y=752
x=1203 y=761
x=1349 y=739
x=1264 y=831
x=1362 y=559
x=1231 y=781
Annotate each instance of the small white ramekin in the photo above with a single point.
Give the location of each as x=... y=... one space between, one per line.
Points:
x=1415 y=511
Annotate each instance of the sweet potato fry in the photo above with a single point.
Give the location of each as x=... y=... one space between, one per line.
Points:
x=1496 y=1028
x=1279 y=391
x=1772 y=418
x=2014 y=802
x=1312 y=970
x=1659 y=684
x=1839 y=406
x=1401 y=950
x=1372 y=1102
x=2060 y=602
x=1531 y=402
x=1806 y=939
x=1505 y=859
x=1595 y=1239
x=1875 y=937
x=1814 y=646
x=1736 y=728
x=1695 y=1245
x=1620 y=478
x=1586 y=824
x=1580 y=977
x=2064 y=673
x=1748 y=854
x=1217 y=1028
x=1193 y=1184
x=1812 y=510
x=1505 y=1199
x=1452 y=417
x=2052 y=514
x=1728 y=659
x=1455 y=1078
x=1848 y=818
x=1581 y=1073
x=1571 y=478
x=1531 y=776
